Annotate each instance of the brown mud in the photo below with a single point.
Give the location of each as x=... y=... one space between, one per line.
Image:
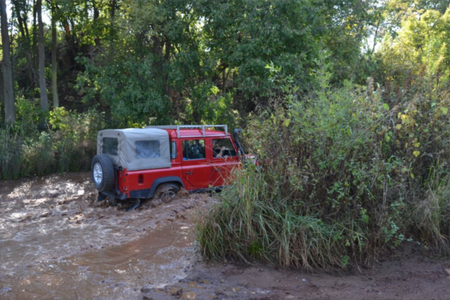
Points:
x=404 y=276
x=58 y=242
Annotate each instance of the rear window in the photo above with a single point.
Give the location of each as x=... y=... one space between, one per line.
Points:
x=110 y=146
x=147 y=149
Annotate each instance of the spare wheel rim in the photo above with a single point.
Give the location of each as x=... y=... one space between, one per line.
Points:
x=98 y=173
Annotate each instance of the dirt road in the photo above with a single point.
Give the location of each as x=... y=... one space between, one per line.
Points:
x=57 y=242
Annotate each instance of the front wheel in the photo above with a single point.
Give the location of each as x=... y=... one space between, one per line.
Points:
x=102 y=171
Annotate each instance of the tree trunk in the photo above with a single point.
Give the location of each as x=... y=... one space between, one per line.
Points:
x=96 y=16
x=2 y=100
x=8 y=88
x=112 y=33
x=54 y=65
x=34 y=40
x=166 y=61
x=21 y=10
x=42 y=83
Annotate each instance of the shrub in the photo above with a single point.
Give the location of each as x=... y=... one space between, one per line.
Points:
x=75 y=138
x=38 y=155
x=346 y=172
x=66 y=143
x=10 y=154
x=252 y=223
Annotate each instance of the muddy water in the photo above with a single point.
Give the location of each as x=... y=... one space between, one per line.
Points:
x=117 y=272
x=56 y=242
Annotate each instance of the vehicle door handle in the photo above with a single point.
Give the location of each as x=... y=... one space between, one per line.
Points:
x=190 y=173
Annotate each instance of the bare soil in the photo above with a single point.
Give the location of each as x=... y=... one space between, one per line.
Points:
x=406 y=275
x=59 y=216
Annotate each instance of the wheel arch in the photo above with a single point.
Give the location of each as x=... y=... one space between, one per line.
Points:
x=162 y=180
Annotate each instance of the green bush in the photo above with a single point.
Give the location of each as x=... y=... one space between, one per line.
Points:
x=75 y=138
x=345 y=173
x=66 y=142
x=11 y=156
x=252 y=222
x=38 y=155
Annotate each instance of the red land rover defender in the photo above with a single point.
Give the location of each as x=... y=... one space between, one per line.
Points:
x=157 y=161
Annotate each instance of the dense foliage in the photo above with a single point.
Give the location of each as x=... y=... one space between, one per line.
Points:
x=346 y=104
x=343 y=174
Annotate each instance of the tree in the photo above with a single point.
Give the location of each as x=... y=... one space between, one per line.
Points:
x=8 y=88
x=27 y=78
x=42 y=81
x=54 y=64
x=247 y=38
x=419 y=48
x=155 y=63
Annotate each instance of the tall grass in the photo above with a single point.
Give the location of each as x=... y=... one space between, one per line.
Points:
x=11 y=154
x=251 y=223
x=346 y=173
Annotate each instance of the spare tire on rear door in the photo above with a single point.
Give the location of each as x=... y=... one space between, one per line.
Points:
x=102 y=171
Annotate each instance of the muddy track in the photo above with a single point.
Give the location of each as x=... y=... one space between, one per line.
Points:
x=53 y=232
x=58 y=242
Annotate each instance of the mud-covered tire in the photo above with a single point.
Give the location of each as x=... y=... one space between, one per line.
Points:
x=102 y=171
x=166 y=192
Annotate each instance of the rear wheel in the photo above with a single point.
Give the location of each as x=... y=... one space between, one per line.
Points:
x=167 y=192
x=102 y=171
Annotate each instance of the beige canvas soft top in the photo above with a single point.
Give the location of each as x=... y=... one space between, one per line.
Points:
x=135 y=148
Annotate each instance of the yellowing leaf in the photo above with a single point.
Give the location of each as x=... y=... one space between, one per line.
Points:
x=398 y=126
x=416 y=153
x=405 y=118
x=444 y=110
x=214 y=90
x=286 y=122
x=411 y=175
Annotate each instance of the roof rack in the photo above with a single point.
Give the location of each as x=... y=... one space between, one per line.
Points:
x=202 y=127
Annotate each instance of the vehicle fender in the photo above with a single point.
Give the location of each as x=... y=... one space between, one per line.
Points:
x=159 y=181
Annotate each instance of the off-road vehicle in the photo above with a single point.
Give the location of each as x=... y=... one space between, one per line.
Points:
x=156 y=161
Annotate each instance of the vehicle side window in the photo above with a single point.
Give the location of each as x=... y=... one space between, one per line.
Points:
x=194 y=149
x=173 y=150
x=147 y=149
x=223 y=148
x=110 y=146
